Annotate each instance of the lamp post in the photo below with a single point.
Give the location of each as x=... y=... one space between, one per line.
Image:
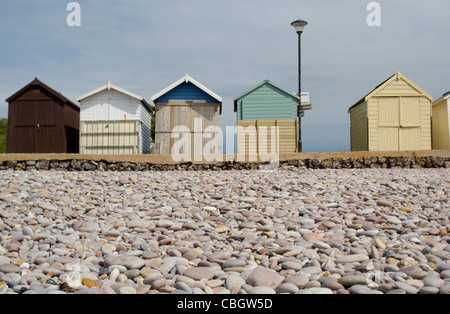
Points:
x=299 y=26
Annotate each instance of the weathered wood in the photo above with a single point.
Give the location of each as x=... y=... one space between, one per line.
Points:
x=182 y=119
x=41 y=120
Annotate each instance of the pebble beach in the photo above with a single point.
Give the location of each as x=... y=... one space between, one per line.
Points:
x=292 y=231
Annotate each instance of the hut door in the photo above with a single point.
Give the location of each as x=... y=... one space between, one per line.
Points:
x=399 y=124
x=389 y=124
x=38 y=140
x=48 y=140
x=409 y=135
x=24 y=140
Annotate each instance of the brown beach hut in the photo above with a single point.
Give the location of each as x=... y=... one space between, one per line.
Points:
x=42 y=121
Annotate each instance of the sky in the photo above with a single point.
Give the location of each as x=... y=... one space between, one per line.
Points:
x=229 y=46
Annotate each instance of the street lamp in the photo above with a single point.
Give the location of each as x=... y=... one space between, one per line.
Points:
x=299 y=26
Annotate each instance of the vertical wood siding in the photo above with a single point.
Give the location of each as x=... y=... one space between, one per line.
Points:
x=399 y=119
x=359 y=128
x=180 y=108
x=172 y=115
x=441 y=127
x=251 y=132
x=38 y=122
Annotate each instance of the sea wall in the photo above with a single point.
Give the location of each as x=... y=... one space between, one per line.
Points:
x=108 y=164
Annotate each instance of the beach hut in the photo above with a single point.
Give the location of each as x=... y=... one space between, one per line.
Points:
x=187 y=108
x=395 y=116
x=114 y=121
x=441 y=122
x=262 y=108
x=41 y=120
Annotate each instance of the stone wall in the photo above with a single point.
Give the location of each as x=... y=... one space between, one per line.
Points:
x=331 y=163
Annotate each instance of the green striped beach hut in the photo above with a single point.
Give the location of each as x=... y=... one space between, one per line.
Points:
x=261 y=108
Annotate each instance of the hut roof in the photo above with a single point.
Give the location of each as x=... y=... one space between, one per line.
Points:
x=444 y=97
x=187 y=79
x=261 y=84
x=387 y=82
x=37 y=82
x=110 y=86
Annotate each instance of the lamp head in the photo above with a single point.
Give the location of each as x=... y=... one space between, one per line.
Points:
x=299 y=25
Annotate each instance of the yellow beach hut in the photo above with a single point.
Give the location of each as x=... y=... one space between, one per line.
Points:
x=441 y=125
x=395 y=116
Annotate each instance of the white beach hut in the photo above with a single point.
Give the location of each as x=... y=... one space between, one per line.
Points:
x=114 y=121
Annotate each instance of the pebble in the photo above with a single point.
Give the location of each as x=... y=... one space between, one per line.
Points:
x=27 y=231
x=127 y=290
x=3 y=287
x=133 y=263
x=288 y=288
x=351 y=258
x=199 y=273
x=262 y=290
x=360 y=289
x=264 y=277
x=349 y=281
x=429 y=290
x=292 y=265
x=384 y=203
x=292 y=231
x=407 y=288
x=9 y=268
x=321 y=245
x=415 y=272
x=315 y=291
x=433 y=281
x=380 y=244
x=445 y=289
x=165 y=223
x=234 y=282
x=298 y=281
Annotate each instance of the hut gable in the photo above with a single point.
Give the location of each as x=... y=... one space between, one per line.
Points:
x=395 y=86
x=187 y=90
x=111 y=102
x=38 y=91
x=266 y=101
